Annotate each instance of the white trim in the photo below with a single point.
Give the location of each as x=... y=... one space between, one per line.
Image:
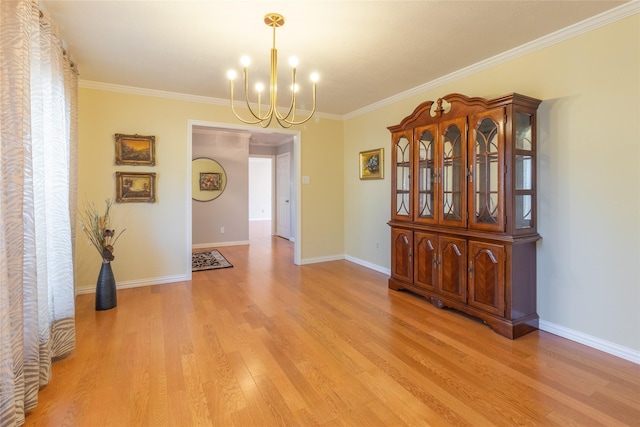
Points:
x=368 y=264
x=138 y=283
x=322 y=259
x=219 y=244
x=591 y=341
x=296 y=238
x=571 y=31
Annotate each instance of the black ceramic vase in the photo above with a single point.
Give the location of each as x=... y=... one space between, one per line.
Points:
x=106 y=296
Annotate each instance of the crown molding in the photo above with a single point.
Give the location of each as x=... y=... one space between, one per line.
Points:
x=131 y=90
x=605 y=18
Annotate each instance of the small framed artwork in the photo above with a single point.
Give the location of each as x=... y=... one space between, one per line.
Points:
x=372 y=164
x=135 y=187
x=209 y=181
x=135 y=150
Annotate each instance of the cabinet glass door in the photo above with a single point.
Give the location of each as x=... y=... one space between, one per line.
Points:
x=425 y=177
x=524 y=172
x=485 y=175
x=453 y=172
x=402 y=178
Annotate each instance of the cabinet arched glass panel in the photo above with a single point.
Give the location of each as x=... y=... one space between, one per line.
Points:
x=452 y=174
x=426 y=175
x=403 y=176
x=524 y=176
x=485 y=176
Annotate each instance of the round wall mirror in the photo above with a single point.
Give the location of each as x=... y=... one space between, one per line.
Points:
x=208 y=179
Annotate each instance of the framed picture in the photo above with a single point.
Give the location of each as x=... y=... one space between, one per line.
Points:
x=135 y=150
x=372 y=164
x=209 y=181
x=135 y=187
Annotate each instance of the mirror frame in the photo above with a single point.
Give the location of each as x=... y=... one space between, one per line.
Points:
x=208 y=179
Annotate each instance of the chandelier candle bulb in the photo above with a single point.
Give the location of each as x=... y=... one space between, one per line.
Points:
x=287 y=119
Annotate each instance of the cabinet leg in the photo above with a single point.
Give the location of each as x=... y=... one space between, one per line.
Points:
x=436 y=302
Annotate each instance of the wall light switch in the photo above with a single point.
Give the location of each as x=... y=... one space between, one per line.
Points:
x=305 y=179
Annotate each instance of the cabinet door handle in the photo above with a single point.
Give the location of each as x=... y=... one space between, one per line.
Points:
x=470 y=269
x=470 y=173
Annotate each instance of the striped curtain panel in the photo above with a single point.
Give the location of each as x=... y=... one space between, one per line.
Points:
x=38 y=179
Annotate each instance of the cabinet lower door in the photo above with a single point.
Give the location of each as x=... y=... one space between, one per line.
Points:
x=452 y=264
x=426 y=261
x=402 y=254
x=487 y=277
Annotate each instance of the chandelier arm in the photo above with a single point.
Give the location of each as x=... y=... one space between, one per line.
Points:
x=293 y=122
x=235 y=113
x=246 y=97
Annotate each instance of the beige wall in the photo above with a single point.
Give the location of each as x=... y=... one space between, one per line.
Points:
x=589 y=180
x=589 y=177
x=152 y=250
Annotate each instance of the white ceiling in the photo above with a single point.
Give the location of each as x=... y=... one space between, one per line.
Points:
x=365 y=51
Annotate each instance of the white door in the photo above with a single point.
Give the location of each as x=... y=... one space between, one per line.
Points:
x=283 y=195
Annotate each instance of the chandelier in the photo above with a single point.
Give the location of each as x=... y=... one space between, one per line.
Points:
x=288 y=119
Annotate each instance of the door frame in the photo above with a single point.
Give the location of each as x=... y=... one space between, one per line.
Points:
x=295 y=182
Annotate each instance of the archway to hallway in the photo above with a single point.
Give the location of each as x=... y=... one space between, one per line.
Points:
x=260 y=138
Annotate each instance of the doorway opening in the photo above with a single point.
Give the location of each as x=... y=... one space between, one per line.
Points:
x=261 y=142
x=261 y=197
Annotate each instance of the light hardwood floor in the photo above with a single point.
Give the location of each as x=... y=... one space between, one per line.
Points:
x=268 y=343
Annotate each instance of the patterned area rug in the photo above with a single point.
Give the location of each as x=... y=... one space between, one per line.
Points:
x=208 y=260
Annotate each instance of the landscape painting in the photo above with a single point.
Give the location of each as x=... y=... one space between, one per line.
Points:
x=135 y=187
x=135 y=150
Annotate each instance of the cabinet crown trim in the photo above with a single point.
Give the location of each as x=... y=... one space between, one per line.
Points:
x=456 y=105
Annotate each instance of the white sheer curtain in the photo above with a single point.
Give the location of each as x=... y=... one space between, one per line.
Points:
x=38 y=179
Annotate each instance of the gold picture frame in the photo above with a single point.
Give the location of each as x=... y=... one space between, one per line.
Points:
x=372 y=164
x=210 y=181
x=135 y=150
x=135 y=187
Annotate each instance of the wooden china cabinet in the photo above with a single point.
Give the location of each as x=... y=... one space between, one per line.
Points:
x=463 y=219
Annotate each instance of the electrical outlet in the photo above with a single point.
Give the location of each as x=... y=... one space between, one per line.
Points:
x=221 y=230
